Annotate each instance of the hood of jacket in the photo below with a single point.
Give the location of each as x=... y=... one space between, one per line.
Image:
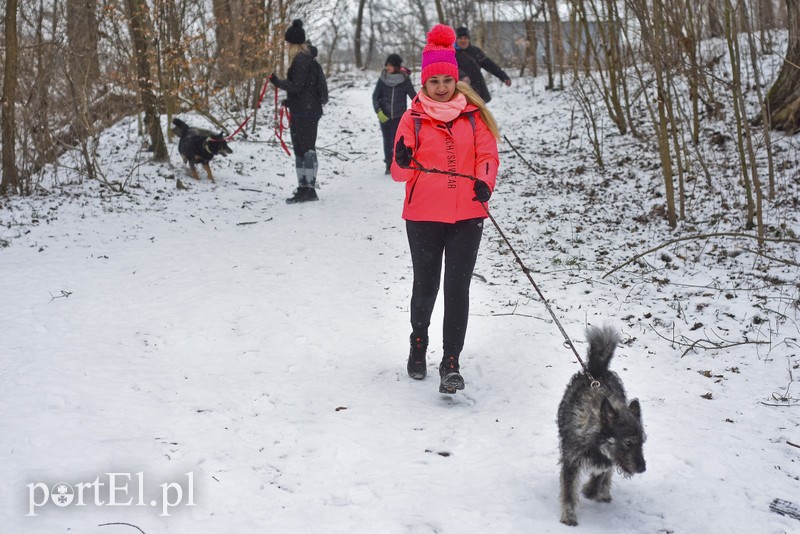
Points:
x=394 y=79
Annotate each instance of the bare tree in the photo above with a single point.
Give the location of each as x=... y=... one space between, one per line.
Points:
x=141 y=28
x=440 y=12
x=8 y=101
x=358 y=31
x=716 y=26
x=556 y=34
x=783 y=98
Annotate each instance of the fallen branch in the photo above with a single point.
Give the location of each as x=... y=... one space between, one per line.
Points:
x=531 y=167
x=693 y=345
x=772 y=258
x=63 y=295
x=789 y=509
x=126 y=524
x=699 y=236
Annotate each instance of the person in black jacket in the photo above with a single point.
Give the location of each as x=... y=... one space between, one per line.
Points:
x=471 y=60
x=389 y=102
x=306 y=91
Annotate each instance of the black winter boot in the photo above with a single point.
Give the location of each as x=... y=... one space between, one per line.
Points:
x=302 y=194
x=451 y=379
x=417 y=366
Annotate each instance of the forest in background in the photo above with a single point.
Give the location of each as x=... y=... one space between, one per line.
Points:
x=678 y=76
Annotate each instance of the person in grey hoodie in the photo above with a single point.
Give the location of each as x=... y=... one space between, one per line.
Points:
x=389 y=102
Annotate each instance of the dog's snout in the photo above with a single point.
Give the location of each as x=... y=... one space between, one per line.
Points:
x=640 y=466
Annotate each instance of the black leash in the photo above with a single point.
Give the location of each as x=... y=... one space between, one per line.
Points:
x=592 y=381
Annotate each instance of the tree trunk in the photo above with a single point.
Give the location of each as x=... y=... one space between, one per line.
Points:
x=556 y=34
x=783 y=99
x=10 y=181
x=359 y=29
x=766 y=15
x=548 y=55
x=141 y=28
x=44 y=145
x=715 y=26
x=660 y=67
x=439 y=12
x=226 y=49
x=82 y=63
x=82 y=36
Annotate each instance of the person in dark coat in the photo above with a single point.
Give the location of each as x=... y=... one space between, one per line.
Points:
x=471 y=60
x=306 y=91
x=389 y=102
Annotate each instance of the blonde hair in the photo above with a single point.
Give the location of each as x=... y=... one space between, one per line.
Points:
x=293 y=49
x=473 y=98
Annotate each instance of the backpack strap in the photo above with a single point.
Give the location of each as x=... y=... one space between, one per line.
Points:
x=471 y=117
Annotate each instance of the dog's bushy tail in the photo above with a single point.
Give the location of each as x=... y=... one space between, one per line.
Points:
x=602 y=343
x=180 y=126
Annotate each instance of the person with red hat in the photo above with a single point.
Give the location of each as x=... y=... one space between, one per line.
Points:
x=447 y=132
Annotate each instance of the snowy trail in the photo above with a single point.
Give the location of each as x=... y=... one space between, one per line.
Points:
x=262 y=348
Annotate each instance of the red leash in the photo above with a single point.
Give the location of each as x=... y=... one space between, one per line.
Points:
x=284 y=112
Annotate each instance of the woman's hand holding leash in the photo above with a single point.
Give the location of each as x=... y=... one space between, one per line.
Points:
x=482 y=191
x=402 y=153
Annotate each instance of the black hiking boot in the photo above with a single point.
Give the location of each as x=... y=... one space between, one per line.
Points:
x=302 y=194
x=451 y=379
x=417 y=366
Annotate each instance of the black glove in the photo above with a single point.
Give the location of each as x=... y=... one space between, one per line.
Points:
x=482 y=191
x=273 y=78
x=402 y=153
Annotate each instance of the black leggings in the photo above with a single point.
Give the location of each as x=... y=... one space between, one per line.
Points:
x=389 y=131
x=303 y=131
x=458 y=243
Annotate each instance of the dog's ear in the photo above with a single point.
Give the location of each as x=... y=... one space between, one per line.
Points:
x=636 y=410
x=608 y=415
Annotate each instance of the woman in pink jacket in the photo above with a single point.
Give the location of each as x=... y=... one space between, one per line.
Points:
x=447 y=131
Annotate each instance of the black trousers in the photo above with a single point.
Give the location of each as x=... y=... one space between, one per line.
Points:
x=389 y=131
x=303 y=132
x=457 y=244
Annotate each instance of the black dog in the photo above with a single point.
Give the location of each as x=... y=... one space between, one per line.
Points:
x=598 y=431
x=199 y=146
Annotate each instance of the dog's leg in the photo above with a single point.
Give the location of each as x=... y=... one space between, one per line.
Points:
x=598 y=488
x=193 y=171
x=569 y=495
x=208 y=172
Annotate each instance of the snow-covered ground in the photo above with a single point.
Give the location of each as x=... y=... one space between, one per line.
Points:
x=254 y=352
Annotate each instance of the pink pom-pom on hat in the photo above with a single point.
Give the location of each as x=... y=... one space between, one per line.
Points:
x=439 y=55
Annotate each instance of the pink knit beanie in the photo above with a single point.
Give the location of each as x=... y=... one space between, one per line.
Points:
x=439 y=55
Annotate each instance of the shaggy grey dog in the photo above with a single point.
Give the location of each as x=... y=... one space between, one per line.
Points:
x=598 y=430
